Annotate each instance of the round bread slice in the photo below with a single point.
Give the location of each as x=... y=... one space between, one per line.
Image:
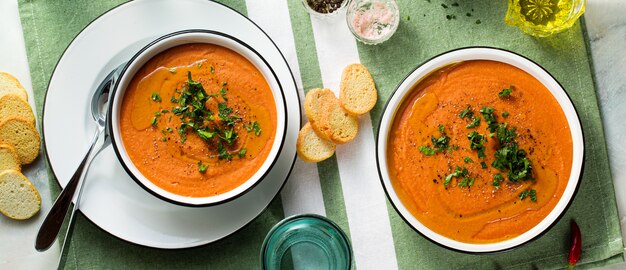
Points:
x=314 y=103
x=22 y=135
x=19 y=199
x=357 y=91
x=13 y=105
x=10 y=85
x=9 y=159
x=312 y=148
x=343 y=126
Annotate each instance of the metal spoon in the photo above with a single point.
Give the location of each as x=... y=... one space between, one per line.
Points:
x=52 y=224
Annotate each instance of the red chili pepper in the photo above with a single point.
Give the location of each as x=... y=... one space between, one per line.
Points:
x=575 y=246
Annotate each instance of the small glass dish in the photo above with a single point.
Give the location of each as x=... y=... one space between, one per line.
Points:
x=306 y=242
x=342 y=6
x=542 y=18
x=373 y=21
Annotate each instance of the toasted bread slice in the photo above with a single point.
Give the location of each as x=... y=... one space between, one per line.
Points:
x=357 y=91
x=314 y=102
x=327 y=118
x=19 y=199
x=13 y=105
x=312 y=148
x=343 y=126
x=10 y=85
x=23 y=136
x=9 y=159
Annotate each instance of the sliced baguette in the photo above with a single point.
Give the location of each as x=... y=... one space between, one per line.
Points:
x=10 y=85
x=357 y=91
x=343 y=126
x=312 y=148
x=23 y=136
x=9 y=159
x=13 y=105
x=314 y=102
x=19 y=199
x=327 y=118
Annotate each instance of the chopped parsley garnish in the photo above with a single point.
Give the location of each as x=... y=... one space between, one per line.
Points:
x=155 y=97
x=254 y=126
x=172 y=70
x=489 y=118
x=439 y=144
x=201 y=167
x=466 y=112
x=469 y=113
x=468 y=160
x=212 y=70
x=475 y=122
x=426 y=150
x=505 y=93
x=513 y=159
x=497 y=179
x=477 y=143
x=458 y=172
x=483 y=165
x=505 y=114
x=190 y=105
x=154 y=122
x=242 y=152
x=223 y=93
x=223 y=153
x=528 y=193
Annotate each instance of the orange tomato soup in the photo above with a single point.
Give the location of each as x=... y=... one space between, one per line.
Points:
x=183 y=162
x=482 y=212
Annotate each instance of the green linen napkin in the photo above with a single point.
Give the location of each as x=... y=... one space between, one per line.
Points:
x=49 y=27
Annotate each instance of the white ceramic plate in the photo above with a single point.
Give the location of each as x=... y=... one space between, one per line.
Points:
x=111 y=199
x=482 y=53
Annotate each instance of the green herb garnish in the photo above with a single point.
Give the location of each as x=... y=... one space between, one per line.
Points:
x=458 y=172
x=497 y=179
x=154 y=122
x=468 y=160
x=426 y=150
x=505 y=114
x=242 y=152
x=528 y=193
x=477 y=143
x=155 y=97
x=201 y=167
x=489 y=118
x=223 y=153
x=505 y=93
x=483 y=165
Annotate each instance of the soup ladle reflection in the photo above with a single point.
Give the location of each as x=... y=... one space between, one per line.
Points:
x=52 y=223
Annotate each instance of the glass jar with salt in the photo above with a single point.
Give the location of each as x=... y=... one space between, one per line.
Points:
x=373 y=21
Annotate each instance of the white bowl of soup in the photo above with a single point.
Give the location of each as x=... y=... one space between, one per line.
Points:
x=197 y=118
x=480 y=150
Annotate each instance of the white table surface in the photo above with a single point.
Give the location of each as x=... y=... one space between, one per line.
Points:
x=606 y=25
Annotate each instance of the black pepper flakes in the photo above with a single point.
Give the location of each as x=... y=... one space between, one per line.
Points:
x=325 y=6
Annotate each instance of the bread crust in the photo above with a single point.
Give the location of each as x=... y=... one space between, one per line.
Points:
x=11 y=85
x=10 y=198
x=312 y=148
x=357 y=90
x=22 y=135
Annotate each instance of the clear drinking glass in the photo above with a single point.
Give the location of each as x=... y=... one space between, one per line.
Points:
x=306 y=242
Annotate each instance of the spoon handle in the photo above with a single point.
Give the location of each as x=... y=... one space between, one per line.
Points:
x=52 y=224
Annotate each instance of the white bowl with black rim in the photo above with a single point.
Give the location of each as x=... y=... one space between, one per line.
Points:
x=403 y=90
x=176 y=39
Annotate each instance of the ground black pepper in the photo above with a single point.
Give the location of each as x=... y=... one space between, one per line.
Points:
x=324 y=6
